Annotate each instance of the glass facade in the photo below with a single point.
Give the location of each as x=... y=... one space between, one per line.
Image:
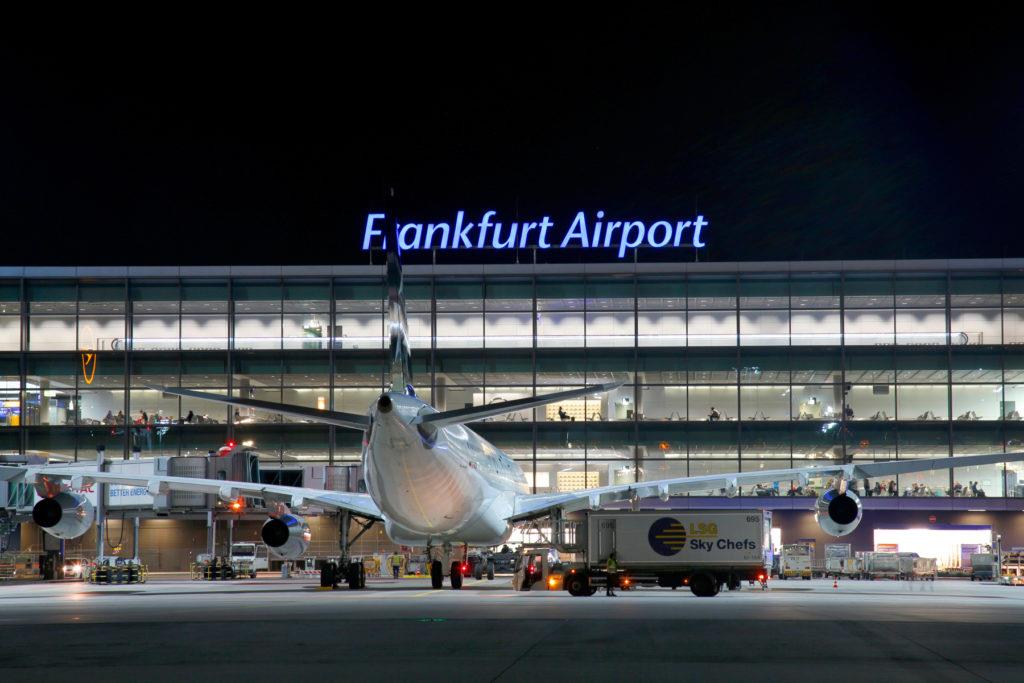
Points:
x=722 y=370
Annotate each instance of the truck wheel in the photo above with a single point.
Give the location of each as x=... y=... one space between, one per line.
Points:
x=703 y=585
x=456 y=576
x=733 y=583
x=478 y=571
x=578 y=585
x=490 y=570
x=436 y=575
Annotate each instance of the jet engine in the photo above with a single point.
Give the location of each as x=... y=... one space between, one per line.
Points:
x=65 y=515
x=838 y=513
x=286 y=535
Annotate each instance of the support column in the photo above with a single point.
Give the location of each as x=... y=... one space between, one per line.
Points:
x=101 y=504
x=211 y=533
x=135 y=538
x=231 y=535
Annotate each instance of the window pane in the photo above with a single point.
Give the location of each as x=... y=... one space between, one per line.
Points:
x=359 y=331
x=661 y=328
x=815 y=328
x=706 y=401
x=873 y=327
x=508 y=295
x=661 y=294
x=201 y=332
x=560 y=329
x=765 y=402
x=769 y=291
x=816 y=401
x=975 y=326
x=662 y=403
x=459 y=330
x=918 y=291
x=921 y=326
x=711 y=328
x=508 y=330
x=610 y=329
x=923 y=402
x=977 y=401
x=610 y=294
x=764 y=328
x=875 y=402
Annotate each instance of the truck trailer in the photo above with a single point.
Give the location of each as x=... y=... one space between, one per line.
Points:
x=703 y=550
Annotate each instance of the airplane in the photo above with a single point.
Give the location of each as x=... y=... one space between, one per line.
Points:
x=434 y=482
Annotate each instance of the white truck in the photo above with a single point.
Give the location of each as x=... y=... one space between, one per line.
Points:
x=702 y=550
x=796 y=562
x=249 y=558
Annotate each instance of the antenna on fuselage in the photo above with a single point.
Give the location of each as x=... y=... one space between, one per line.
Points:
x=398 y=326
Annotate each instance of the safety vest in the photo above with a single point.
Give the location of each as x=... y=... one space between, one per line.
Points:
x=612 y=565
x=396 y=560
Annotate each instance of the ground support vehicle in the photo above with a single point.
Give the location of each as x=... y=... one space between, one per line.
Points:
x=796 y=561
x=844 y=567
x=882 y=566
x=703 y=550
x=983 y=566
x=249 y=558
x=924 y=569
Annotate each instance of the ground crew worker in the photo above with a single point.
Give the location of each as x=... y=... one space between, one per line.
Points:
x=612 y=571
x=396 y=563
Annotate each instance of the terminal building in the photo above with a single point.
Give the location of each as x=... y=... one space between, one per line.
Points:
x=726 y=367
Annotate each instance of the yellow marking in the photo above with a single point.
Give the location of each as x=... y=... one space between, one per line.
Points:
x=430 y=592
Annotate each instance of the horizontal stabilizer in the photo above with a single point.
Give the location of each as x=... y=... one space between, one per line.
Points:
x=331 y=417
x=463 y=415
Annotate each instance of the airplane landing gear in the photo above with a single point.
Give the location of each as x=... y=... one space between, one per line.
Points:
x=436 y=575
x=490 y=569
x=456 y=575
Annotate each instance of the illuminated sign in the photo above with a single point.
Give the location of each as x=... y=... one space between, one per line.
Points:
x=89 y=361
x=583 y=232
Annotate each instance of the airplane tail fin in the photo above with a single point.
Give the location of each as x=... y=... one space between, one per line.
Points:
x=398 y=326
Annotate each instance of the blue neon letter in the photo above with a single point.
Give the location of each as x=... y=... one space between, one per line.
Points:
x=370 y=231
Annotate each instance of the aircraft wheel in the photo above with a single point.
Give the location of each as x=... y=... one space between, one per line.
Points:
x=356 y=576
x=436 y=575
x=478 y=571
x=456 y=575
x=490 y=570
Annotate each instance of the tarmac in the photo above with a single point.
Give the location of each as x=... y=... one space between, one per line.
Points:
x=274 y=629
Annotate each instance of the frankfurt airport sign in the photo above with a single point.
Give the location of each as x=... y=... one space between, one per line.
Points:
x=583 y=232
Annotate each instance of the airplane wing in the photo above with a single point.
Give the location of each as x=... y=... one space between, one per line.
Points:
x=331 y=417
x=294 y=496
x=463 y=415
x=535 y=505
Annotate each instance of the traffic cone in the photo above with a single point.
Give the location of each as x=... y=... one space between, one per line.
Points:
x=835 y=582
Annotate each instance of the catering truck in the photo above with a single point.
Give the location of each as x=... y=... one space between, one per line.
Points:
x=702 y=550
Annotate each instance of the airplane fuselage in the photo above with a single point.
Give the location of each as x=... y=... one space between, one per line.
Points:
x=445 y=485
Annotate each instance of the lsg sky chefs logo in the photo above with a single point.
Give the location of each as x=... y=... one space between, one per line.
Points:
x=583 y=232
x=668 y=536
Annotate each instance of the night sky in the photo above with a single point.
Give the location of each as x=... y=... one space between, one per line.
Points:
x=800 y=133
